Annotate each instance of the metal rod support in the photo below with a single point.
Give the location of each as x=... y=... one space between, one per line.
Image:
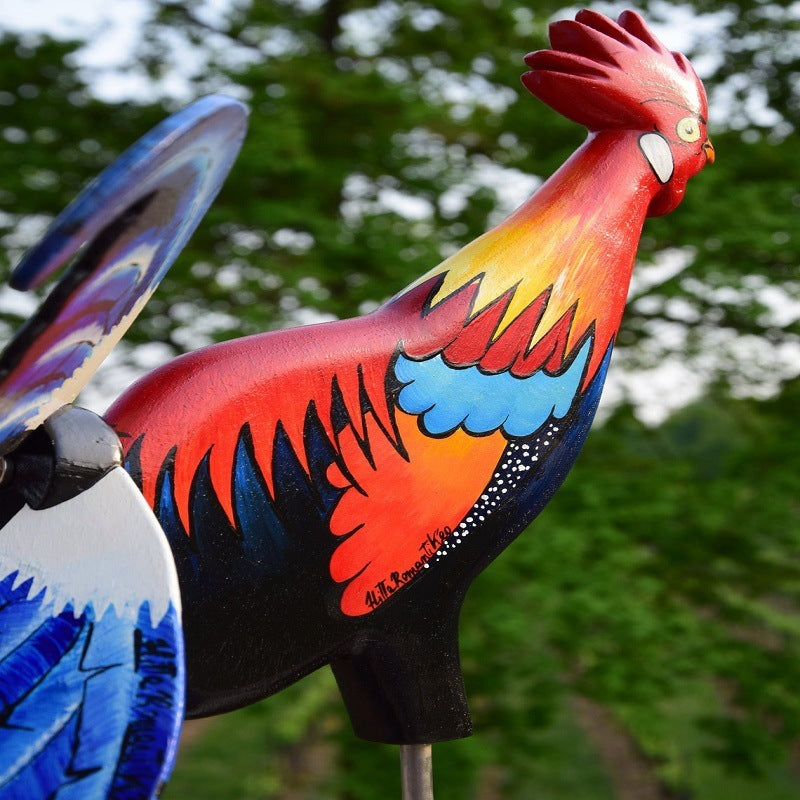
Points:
x=416 y=768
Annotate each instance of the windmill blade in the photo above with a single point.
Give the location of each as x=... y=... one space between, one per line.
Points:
x=91 y=651
x=126 y=228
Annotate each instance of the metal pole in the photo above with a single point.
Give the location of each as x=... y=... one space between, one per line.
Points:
x=416 y=768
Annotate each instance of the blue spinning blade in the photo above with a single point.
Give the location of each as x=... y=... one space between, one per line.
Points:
x=91 y=649
x=129 y=226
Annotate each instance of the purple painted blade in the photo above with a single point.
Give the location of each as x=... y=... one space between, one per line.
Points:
x=129 y=224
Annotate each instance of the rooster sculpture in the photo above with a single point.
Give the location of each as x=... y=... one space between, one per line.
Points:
x=329 y=492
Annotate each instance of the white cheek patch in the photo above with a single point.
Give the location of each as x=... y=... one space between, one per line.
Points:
x=656 y=150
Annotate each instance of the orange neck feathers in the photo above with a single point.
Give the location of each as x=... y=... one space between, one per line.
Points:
x=576 y=236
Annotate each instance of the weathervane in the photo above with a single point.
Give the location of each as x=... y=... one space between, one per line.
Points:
x=328 y=493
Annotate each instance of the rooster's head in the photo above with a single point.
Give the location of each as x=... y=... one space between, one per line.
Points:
x=610 y=75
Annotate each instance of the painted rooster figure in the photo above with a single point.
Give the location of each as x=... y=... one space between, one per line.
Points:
x=329 y=492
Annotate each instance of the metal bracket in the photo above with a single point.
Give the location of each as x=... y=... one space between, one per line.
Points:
x=65 y=456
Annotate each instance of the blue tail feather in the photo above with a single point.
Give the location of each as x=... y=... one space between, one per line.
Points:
x=89 y=708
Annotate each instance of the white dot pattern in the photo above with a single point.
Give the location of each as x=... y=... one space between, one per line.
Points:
x=519 y=458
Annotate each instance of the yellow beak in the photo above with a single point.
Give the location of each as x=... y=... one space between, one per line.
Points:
x=708 y=149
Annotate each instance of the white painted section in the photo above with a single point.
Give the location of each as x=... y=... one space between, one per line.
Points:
x=658 y=155
x=103 y=547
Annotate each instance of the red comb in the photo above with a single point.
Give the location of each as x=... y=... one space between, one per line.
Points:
x=605 y=74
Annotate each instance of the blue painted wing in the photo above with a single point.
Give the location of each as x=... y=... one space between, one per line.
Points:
x=131 y=223
x=91 y=652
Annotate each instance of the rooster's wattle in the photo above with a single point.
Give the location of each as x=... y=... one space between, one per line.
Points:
x=329 y=492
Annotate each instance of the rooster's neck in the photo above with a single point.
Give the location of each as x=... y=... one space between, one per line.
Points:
x=574 y=239
x=587 y=217
x=606 y=184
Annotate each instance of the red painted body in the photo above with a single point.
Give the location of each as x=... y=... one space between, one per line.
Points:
x=403 y=423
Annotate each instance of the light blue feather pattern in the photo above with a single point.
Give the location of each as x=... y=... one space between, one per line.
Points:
x=446 y=397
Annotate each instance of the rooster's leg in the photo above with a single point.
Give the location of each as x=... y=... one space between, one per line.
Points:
x=404 y=685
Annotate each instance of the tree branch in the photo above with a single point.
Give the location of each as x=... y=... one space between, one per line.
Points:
x=331 y=23
x=190 y=18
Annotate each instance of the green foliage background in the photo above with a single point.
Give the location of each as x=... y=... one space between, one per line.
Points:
x=655 y=602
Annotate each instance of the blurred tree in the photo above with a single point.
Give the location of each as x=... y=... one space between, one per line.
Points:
x=672 y=560
x=384 y=134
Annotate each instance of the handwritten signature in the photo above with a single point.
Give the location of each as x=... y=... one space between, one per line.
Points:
x=386 y=587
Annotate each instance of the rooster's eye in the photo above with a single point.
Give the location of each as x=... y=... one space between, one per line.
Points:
x=688 y=129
